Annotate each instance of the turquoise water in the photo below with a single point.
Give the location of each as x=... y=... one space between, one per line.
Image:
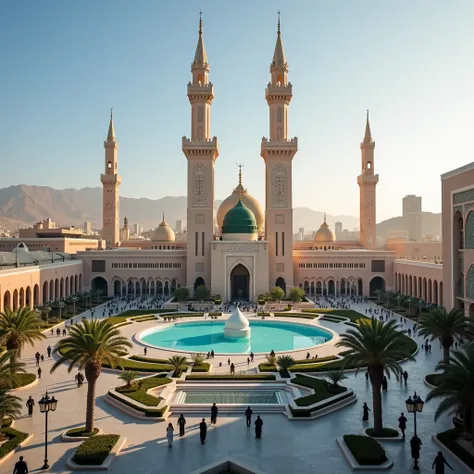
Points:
x=235 y=397
x=265 y=337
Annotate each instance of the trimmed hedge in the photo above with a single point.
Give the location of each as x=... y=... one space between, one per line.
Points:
x=94 y=451
x=127 y=364
x=448 y=438
x=345 y=313
x=250 y=378
x=144 y=312
x=294 y=315
x=184 y=315
x=149 y=360
x=14 y=439
x=434 y=379
x=386 y=433
x=24 y=379
x=138 y=390
x=367 y=451
x=306 y=412
x=81 y=432
x=202 y=367
x=322 y=389
x=303 y=365
x=148 y=412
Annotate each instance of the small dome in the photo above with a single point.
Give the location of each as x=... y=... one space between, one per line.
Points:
x=163 y=233
x=239 y=220
x=324 y=234
x=237 y=320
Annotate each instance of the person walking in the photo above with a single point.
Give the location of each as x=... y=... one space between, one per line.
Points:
x=402 y=424
x=30 y=403
x=169 y=435
x=181 y=424
x=214 y=412
x=203 y=430
x=438 y=463
x=258 y=427
x=20 y=467
x=49 y=351
x=40 y=371
x=37 y=357
x=248 y=416
x=365 y=411
x=405 y=376
x=384 y=384
x=145 y=350
x=232 y=369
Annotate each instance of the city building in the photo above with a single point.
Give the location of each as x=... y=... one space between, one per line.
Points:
x=87 y=227
x=412 y=216
x=338 y=227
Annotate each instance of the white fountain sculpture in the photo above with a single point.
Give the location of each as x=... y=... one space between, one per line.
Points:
x=237 y=325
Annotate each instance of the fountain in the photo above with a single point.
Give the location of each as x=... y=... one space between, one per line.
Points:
x=237 y=326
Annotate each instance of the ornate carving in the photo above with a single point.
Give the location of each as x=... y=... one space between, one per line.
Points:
x=200 y=185
x=279 y=219
x=199 y=219
x=238 y=248
x=456 y=209
x=279 y=186
x=470 y=283
x=469 y=231
x=280 y=267
x=463 y=196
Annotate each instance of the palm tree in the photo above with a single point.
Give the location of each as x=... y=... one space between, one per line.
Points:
x=399 y=298
x=284 y=363
x=456 y=386
x=90 y=344
x=178 y=363
x=74 y=299
x=446 y=326
x=10 y=406
x=379 y=347
x=129 y=377
x=9 y=369
x=336 y=377
x=19 y=327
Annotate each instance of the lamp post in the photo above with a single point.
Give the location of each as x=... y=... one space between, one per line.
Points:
x=415 y=405
x=46 y=405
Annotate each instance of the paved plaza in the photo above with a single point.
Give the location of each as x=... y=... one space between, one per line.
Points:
x=286 y=446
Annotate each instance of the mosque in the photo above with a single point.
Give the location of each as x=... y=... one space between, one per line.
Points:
x=244 y=248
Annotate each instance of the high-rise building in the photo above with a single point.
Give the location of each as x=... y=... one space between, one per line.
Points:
x=412 y=216
x=136 y=229
x=179 y=226
x=338 y=227
x=87 y=227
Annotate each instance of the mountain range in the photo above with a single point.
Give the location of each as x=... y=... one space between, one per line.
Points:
x=22 y=205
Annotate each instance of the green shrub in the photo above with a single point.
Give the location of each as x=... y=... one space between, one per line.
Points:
x=449 y=438
x=148 y=412
x=250 y=378
x=93 y=451
x=267 y=368
x=138 y=391
x=127 y=364
x=263 y=313
x=184 y=315
x=386 y=433
x=434 y=379
x=322 y=390
x=215 y=313
x=24 y=379
x=6 y=422
x=332 y=319
x=144 y=312
x=202 y=367
x=76 y=432
x=149 y=360
x=315 y=361
x=14 y=439
x=367 y=451
x=294 y=315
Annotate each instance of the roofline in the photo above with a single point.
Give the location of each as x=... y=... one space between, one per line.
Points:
x=457 y=171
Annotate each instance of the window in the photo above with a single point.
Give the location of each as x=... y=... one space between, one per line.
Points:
x=196 y=239
x=369 y=165
x=283 y=244
x=202 y=246
x=276 y=244
x=97 y=266
x=279 y=115
x=378 y=266
x=109 y=165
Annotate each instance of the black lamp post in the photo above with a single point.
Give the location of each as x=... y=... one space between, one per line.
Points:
x=415 y=405
x=46 y=405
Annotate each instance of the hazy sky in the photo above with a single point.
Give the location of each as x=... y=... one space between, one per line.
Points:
x=64 y=64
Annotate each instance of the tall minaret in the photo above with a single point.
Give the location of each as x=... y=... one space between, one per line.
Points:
x=367 y=182
x=111 y=181
x=278 y=152
x=201 y=152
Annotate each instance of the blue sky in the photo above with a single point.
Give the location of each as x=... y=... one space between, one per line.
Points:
x=64 y=64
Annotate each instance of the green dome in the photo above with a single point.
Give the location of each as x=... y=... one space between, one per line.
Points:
x=239 y=220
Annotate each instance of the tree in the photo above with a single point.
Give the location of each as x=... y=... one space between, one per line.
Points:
x=276 y=293
x=271 y=360
x=284 y=363
x=19 y=327
x=10 y=406
x=90 y=344
x=446 y=326
x=456 y=387
x=129 y=377
x=178 y=363
x=202 y=293
x=296 y=294
x=379 y=347
x=74 y=299
x=9 y=370
x=198 y=358
x=336 y=377
x=181 y=294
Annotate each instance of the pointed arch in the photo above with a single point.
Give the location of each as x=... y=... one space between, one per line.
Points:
x=28 y=301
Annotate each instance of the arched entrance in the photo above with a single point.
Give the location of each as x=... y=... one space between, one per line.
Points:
x=198 y=282
x=239 y=283
x=331 y=288
x=6 y=300
x=117 y=288
x=99 y=283
x=376 y=284
x=281 y=283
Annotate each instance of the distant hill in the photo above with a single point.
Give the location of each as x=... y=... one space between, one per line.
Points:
x=430 y=224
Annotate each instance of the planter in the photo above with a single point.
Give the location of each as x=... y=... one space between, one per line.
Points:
x=71 y=439
x=392 y=439
x=355 y=466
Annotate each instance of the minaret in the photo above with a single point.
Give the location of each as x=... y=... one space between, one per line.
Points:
x=111 y=181
x=367 y=182
x=278 y=151
x=201 y=152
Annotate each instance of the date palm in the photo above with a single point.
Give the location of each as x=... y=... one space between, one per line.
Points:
x=439 y=324
x=456 y=387
x=9 y=370
x=129 y=377
x=10 y=406
x=178 y=363
x=336 y=377
x=88 y=345
x=379 y=347
x=284 y=363
x=19 y=327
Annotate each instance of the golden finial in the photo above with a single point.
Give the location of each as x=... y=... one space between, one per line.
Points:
x=200 y=22
x=240 y=172
x=278 y=31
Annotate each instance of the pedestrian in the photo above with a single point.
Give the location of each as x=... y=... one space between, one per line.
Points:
x=30 y=403
x=20 y=467
x=367 y=376
x=258 y=427
x=402 y=424
x=169 y=435
x=181 y=424
x=438 y=463
x=39 y=372
x=49 y=351
x=405 y=376
x=365 y=411
x=232 y=369
x=415 y=445
x=248 y=361
x=214 y=412
x=37 y=357
x=42 y=358
x=203 y=430
x=228 y=361
x=248 y=416
x=384 y=384
x=64 y=331
x=252 y=355
x=145 y=350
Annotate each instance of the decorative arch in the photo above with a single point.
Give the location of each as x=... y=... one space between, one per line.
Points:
x=377 y=283
x=360 y=287
x=198 y=282
x=7 y=303
x=424 y=290
x=469 y=231
x=45 y=292
x=430 y=291
x=15 y=300
x=99 y=283
x=240 y=283
x=470 y=283
x=22 y=298
x=61 y=288
x=306 y=286
x=435 y=292
x=80 y=283
x=56 y=289
x=319 y=287
x=28 y=297
x=312 y=290
x=280 y=282
x=331 y=285
x=76 y=289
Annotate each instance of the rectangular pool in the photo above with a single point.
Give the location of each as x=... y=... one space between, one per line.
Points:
x=255 y=397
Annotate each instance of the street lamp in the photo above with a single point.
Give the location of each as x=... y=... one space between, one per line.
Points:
x=46 y=405
x=415 y=405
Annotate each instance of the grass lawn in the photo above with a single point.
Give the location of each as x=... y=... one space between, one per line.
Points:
x=24 y=379
x=202 y=367
x=138 y=390
x=94 y=451
x=322 y=389
x=149 y=360
x=127 y=364
x=117 y=319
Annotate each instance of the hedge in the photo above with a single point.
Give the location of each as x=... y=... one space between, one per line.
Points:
x=322 y=388
x=94 y=451
x=315 y=361
x=448 y=438
x=250 y=378
x=345 y=313
x=144 y=312
x=306 y=412
x=184 y=315
x=367 y=451
x=137 y=391
x=148 y=412
x=293 y=315
x=303 y=365
x=386 y=433
x=24 y=379
x=202 y=367
x=127 y=364
x=149 y=360
x=14 y=439
x=332 y=319
x=215 y=313
x=81 y=432
x=434 y=379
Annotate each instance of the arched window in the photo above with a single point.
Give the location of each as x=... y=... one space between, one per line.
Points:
x=369 y=165
x=279 y=115
x=109 y=165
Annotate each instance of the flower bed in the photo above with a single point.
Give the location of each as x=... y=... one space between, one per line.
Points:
x=448 y=439
x=81 y=432
x=137 y=391
x=367 y=451
x=14 y=439
x=250 y=378
x=95 y=450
